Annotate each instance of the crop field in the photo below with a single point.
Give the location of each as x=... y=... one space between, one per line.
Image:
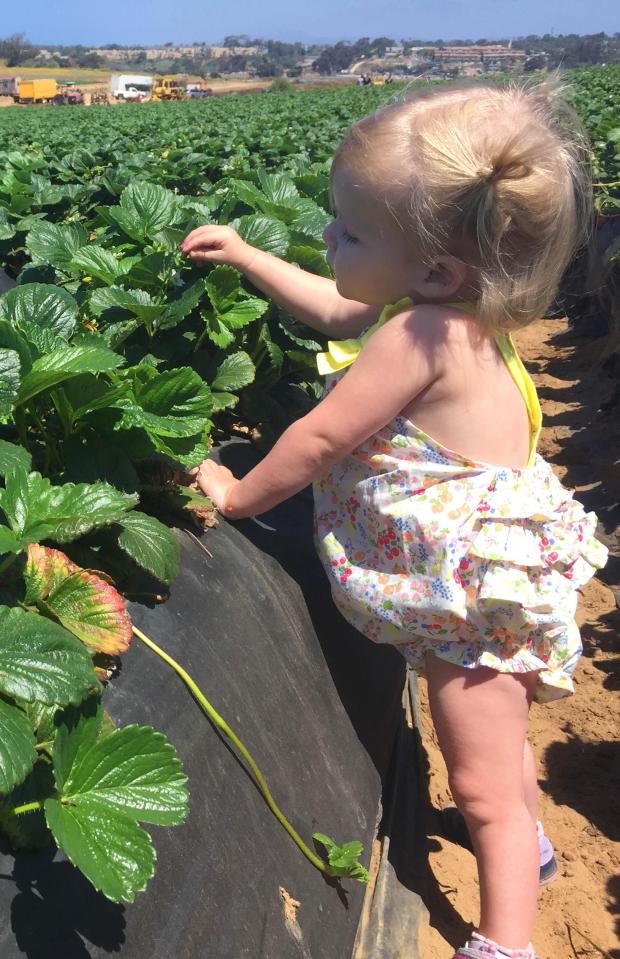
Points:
x=118 y=361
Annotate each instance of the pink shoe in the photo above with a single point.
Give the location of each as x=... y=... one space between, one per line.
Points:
x=479 y=947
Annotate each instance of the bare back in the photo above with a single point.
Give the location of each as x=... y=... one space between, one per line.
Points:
x=473 y=405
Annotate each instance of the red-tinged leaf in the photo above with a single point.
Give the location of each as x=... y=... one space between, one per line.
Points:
x=83 y=601
x=93 y=611
x=46 y=568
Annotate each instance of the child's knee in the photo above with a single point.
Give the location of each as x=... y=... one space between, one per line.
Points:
x=482 y=798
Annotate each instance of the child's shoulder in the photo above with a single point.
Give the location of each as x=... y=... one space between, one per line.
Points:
x=432 y=324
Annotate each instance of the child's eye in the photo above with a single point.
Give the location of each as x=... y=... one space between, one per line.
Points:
x=348 y=238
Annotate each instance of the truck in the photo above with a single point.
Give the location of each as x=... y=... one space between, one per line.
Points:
x=128 y=86
x=36 y=91
x=9 y=87
x=197 y=91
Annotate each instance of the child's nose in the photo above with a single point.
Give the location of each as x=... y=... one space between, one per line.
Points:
x=329 y=237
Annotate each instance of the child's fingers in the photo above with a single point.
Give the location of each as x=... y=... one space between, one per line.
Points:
x=203 y=236
x=203 y=254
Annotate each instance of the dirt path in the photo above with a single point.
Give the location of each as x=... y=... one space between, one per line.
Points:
x=575 y=740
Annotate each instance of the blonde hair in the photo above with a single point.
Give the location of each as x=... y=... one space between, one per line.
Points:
x=495 y=175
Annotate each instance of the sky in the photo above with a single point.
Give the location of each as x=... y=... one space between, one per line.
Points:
x=153 y=22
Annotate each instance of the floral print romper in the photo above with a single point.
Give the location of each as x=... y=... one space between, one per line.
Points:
x=431 y=551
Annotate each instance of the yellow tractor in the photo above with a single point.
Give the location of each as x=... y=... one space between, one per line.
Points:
x=168 y=88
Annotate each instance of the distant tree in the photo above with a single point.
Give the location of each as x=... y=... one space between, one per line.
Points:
x=361 y=48
x=15 y=49
x=92 y=61
x=264 y=67
x=236 y=63
x=237 y=40
x=380 y=45
x=333 y=59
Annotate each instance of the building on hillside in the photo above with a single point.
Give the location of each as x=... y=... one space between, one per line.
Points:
x=131 y=55
x=478 y=59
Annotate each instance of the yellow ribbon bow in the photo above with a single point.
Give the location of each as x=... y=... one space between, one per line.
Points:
x=341 y=353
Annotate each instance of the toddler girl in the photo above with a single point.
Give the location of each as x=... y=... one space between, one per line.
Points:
x=441 y=529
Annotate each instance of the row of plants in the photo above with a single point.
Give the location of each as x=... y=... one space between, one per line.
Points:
x=118 y=359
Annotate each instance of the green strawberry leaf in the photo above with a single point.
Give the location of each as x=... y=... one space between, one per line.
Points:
x=151 y=544
x=144 y=210
x=12 y=455
x=115 y=854
x=343 y=859
x=55 y=243
x=99 y=262
x=138 y=302
x=105 y=787
x=10 y=373
x=133 y=771
x=36 y=510
x=17 y=752
x=45 y=314
x=173 y=403
x=222 y=285
x=41 y=660
x=65 y=363
x=235 y=372
x=265 y=232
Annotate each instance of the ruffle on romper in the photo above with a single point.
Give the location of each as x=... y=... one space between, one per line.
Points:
x=533 y=547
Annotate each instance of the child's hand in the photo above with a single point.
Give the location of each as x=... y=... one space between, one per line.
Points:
x=219 y=244
x=215 y=481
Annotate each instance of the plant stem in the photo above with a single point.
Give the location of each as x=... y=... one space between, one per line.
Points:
x=200 y=339
x=8 y=561
x=225 y=728
x=27 y=807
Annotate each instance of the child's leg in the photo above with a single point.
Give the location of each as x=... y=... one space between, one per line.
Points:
x=530 y=780
x=481 y=718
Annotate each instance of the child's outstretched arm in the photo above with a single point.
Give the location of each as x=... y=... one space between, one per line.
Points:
x=364 y=400
x=313 y=300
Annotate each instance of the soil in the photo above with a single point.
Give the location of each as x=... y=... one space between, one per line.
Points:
x=576 y=739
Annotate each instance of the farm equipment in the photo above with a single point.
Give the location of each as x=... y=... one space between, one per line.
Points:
x=168 y=88
x=68 y=96
x=37 y=91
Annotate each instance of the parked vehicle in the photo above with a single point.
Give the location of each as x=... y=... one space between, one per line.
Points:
x=131 y=87
x=69 y=95
x=37 y=91
x=169 y=88
x=197 y=91
x=9 y=87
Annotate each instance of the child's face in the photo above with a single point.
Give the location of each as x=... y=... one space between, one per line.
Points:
x=367 y=251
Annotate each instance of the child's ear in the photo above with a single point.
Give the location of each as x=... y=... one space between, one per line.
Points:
x=445 y=276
